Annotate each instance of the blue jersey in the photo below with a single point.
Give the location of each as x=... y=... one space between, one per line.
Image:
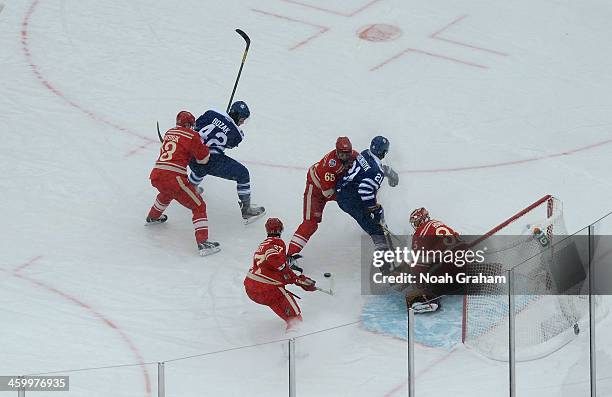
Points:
x=218 y=131
x=365 y=177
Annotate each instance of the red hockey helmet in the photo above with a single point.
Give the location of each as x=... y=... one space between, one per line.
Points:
x=185 y=119
x=274 y=226
x=418 y=217
x=344 y=148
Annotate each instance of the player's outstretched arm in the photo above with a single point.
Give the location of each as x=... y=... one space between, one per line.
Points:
x=391 y=174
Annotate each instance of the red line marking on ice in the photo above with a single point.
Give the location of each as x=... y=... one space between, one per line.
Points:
x=568 y=152
x=335 y=12
x=322 y=29
x=45 y=82
x=28 y=263
x=436 y=36
x=101 y=317
x=448 y=25
x=511 y=162
x=431 y=365
x=138 y=148
x=272 y=165
x=89 y=308
x=431 y=54
x=25 y=39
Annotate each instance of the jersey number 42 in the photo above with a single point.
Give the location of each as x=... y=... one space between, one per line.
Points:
x=220 y=138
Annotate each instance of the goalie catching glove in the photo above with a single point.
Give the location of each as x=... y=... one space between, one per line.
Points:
x=306 y=283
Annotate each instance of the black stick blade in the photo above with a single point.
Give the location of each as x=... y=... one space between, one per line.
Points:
x=159 y=133
x=244 y=36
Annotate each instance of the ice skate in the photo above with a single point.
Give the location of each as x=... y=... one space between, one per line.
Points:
x=154 y=221
x=250 y=213
x=208 y=248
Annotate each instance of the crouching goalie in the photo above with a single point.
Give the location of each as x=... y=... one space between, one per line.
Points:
x=430 y=235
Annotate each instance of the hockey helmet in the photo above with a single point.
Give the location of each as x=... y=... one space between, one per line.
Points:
x=239 y=110
x=418 y=217
x=344 y=148
x=379 y=146
x=185 y=119
x=274 y=227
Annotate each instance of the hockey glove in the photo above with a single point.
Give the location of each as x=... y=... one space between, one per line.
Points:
x=292 y=262
x=306 y=283
x=392 y=176
x=376 y=213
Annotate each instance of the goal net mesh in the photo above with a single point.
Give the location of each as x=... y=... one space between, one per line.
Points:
x=545 y=318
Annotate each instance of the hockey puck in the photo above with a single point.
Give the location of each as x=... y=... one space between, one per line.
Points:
x=327 y=275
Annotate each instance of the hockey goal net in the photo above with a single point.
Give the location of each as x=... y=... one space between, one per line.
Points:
x=545 y=320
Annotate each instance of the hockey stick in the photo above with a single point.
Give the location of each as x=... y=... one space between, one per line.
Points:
x=292 y=294
x=388 y=239
x=244 y=55
x=329 y=291
x=326 y=291
x=159 y=133
x=390 y=234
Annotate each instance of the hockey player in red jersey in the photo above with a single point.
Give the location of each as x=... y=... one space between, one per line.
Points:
x=321 y=188
x=271 y=271
x=169 y=177
x=429 y=235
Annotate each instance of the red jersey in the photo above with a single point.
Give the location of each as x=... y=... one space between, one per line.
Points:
x=270 y=264
x=431 y=236
x=180 y=145
x=324 y=173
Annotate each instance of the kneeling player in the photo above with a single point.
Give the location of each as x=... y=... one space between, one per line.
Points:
x=271 y=271
x=321 y=188
x=432 y=235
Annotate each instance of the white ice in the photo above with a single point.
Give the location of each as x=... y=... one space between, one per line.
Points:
x=508 y=103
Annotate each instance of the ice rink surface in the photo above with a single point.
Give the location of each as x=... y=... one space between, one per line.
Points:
x=488 y=106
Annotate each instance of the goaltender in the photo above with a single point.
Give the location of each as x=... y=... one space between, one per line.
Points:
x=433 y=235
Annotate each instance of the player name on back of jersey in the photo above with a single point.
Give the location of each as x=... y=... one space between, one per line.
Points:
x=170 y=137
x=221 y=124
x=363 y=163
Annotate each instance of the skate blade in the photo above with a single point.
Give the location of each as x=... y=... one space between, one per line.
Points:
x=209 y=251
x=153 y=223
x=253 y=218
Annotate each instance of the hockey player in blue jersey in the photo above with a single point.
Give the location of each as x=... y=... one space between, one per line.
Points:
x=356 y=192
x=221 y=131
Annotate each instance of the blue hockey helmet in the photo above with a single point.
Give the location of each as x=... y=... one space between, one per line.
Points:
x=379 y=146
x=239 y=110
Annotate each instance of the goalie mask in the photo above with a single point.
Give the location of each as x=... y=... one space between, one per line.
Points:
x=418 y=217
